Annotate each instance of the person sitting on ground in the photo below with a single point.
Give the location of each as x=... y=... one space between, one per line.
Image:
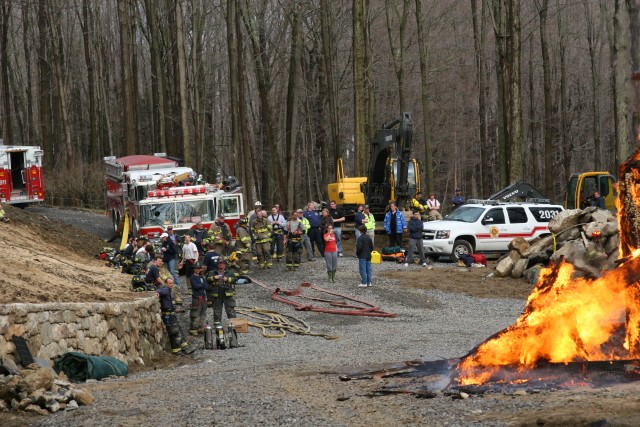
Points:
x=152 y=276
x=434 y=207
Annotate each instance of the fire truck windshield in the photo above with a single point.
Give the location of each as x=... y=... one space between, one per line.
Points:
x=175 y=212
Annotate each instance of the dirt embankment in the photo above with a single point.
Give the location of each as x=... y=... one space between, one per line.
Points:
x=45 y=260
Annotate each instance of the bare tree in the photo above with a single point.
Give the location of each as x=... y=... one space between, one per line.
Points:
x=621 y=67
x=127 y=77
x=424 y=87
x=6 y=124
x=397 y=21
x=187 y=154
x=542 y=7
x=359 y=75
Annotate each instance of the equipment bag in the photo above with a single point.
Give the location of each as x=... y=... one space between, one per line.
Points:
x=80 y=367
x=397 y=257
x=480 y=259
x=388 y=250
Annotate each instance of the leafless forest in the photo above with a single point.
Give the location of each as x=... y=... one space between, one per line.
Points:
x=274 y=91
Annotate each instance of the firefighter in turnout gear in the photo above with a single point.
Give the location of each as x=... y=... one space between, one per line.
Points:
x=221 y=290
x=294 y=230
x=199 y=287
x=262 y=232
x=243 y=244
x=220 y=235
x=176 y=337
x=277 y=221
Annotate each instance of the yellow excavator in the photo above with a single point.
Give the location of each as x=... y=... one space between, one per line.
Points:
x=392 y=176
x=582 y=185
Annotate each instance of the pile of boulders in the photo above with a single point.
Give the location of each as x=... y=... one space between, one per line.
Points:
x=38 y=390
x=587 y=238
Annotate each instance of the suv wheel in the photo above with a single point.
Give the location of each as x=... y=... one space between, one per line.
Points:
x=461 y=247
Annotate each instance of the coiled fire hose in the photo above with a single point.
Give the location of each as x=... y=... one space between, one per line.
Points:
x=269 y=320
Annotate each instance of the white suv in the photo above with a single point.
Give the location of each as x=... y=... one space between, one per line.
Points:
x=486 y=226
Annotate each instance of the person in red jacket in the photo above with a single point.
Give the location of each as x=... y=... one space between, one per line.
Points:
x=331 y=253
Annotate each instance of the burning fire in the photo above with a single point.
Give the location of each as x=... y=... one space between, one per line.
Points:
x=571 y=319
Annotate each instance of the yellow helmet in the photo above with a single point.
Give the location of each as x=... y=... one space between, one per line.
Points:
x=233 y=257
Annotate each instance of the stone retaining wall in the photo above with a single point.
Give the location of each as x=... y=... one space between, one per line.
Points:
x=125 y=330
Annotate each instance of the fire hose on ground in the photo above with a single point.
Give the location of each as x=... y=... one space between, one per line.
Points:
x=267 y=320
x=349 y=305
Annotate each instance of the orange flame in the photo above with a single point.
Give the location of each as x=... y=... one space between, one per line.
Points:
x=569 y=318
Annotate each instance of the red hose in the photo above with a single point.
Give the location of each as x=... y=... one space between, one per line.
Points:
x=365 y=309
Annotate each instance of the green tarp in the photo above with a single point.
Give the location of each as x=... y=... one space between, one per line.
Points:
x=79 y=367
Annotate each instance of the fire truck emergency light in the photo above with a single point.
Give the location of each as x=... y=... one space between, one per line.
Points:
x=177 y=191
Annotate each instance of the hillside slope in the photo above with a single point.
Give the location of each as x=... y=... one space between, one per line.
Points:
x=45 y=260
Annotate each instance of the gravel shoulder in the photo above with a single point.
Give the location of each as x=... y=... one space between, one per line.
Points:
x=442 y=313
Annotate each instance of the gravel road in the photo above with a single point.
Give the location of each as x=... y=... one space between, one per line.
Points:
x=295 y=380
x=94 y=222
x=283 y=381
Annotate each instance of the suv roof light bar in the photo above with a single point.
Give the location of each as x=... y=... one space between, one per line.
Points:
x=482 y=202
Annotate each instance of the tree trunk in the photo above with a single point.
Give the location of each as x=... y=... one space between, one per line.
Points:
x=232 y=46
x=621 y=69
x=328 y=53
x=247 y=163
x=127 y=78
x=187 y=152
x=567 y=141
x=6 y=125
x=157 y=77
x=502 y=114
x=515 y=133
x=633 y=7
x=549 y=174
x=398 y=22
x=359 y=75
x=54 y=32
x=592 y=42
x=258 y=44
x=480 y=37
x=291 y=125
x=533 y=134
x=28 y=52
x=371 y=121
x=86 y=23
x=424 y=87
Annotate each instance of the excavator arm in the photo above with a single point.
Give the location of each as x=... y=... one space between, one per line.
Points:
x=392 y=141
x=522 y=191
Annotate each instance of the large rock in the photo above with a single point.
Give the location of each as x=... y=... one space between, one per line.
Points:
x=519 y=268
x=539 y=257
x=519 y=245
x=612 y=244
x=610 y=229
x=542 y=245
x=571 y=250
x=532 y=274
x=602 y=216
x=564 y=220
x=570 y=234
x=586 y=214
x=504 y=267
x=31 y=380
x=83 y=397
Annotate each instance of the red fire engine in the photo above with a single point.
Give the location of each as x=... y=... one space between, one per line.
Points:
x=21 y=174
x=152 y=193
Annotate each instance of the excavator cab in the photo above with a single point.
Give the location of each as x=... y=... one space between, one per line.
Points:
x=582 y=186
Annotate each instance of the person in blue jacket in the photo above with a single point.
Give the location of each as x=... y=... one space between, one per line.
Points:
x=394 y=225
